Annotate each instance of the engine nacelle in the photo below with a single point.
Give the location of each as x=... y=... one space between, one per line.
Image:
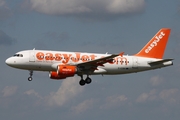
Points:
x=54 y=75
x=63 y=71
x=66 y=70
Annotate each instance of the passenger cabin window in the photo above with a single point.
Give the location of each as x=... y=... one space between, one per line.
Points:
x=18 y=55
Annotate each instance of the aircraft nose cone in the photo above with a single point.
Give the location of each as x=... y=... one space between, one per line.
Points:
x=8 y=61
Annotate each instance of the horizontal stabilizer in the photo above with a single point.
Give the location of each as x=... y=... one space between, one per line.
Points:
x=159 y=62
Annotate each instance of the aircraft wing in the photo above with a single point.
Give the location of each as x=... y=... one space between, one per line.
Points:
x=100 y=61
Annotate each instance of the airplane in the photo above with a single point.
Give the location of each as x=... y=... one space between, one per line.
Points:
x=63 y=64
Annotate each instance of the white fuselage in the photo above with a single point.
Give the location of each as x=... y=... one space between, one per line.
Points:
x=42 y=60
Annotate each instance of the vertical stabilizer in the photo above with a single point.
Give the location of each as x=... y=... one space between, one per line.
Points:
x=156 y=46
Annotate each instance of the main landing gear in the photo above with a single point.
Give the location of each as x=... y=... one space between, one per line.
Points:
x=30 y=77
x=82 y=82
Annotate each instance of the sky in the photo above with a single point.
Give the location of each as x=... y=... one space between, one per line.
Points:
x=97 y=26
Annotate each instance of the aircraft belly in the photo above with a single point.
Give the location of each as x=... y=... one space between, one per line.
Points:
x=37 y=66
x=117 y=69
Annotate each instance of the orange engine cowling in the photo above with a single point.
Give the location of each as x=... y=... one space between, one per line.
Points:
x=63 y=71
x=54 y=75
x=66 y=70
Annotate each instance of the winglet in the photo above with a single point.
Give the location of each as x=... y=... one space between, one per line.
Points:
x=121 y=54
x=156 y=46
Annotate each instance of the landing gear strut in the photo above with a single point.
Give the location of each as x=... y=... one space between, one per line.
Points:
x=30 y=78
x=82 y=82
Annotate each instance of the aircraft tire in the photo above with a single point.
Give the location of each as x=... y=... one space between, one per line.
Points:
x=88 y=80
x=29 y=78
x=82 y=82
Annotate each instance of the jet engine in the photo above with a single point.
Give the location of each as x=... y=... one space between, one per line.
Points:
x=67 y=70
x=63 y=71
x=54 y=75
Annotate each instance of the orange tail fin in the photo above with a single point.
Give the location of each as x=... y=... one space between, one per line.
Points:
x=156 y=46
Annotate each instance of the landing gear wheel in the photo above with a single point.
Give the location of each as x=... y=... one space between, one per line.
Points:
x=29 y=78
x=88 y=80
x=82 y=82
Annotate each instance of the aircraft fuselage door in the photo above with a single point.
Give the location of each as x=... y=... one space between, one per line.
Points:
x=32 y=56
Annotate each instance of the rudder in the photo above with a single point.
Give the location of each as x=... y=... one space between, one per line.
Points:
x=156 y=46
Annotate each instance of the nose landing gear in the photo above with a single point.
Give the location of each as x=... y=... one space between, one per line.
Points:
x=30 y=78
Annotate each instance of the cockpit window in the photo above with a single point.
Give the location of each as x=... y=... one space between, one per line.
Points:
x=18 y=55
